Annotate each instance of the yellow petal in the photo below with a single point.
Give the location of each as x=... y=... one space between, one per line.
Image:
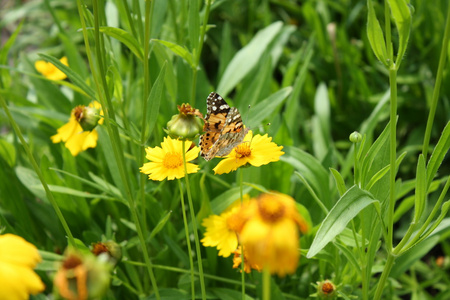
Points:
x=67 y=130
x=15 y=249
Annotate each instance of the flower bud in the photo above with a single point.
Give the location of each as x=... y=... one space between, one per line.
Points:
x=187 y=125
x=355 y=137
x=87 y=116
x=82 y=276
x=111 y=249
x=326 y=289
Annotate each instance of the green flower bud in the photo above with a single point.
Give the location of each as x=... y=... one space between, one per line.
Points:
x=87 y=116
x=111 y=249
x=187 y=125
x=82 y=276
x=326 y=289
x=355 y=137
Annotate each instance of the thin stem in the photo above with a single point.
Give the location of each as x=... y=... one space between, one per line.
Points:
x=393 y=155
x=194 y=224
x=186 y=231
x=39 y=173
x=266 y=284
x=384 y=276
x=241 y=191
x=147 y=86
x=102 y=92
x=199 y=52
x=437 y=85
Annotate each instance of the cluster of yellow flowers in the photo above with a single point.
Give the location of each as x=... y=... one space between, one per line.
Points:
x=266 y=227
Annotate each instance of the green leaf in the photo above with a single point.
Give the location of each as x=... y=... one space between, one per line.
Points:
x=8 y=153
x=349 y=255
x=321 y=122
x=375 y=35
x=311 y=169
x=247 y=58
x=267 y=106
x=369 y=158
x=402 y=18
x=125 y=38
x=375 y=178
x=178 y=50
x=194 y=25
x=154 y=101
x=438 y=154
x=5 y=78
x=347 y=207
x=421 y=188
x=160 y=225
x=340 y=183
x=74 y=77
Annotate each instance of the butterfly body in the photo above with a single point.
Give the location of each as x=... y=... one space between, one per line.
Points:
x=223 y=128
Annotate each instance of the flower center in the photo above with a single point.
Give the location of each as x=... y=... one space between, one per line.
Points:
x=243 y=150
x=78 y=112
x=271 y=209
x=172 y=160
x=235 y=222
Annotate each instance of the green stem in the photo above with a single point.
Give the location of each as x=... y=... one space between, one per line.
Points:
x=194 y=224
x=384 y=276
x=393 y=155
x=186 y=231
x=437 y=85
x=147 y=86
x=102 y=91
x=199 y=52
x=39 y=173
x=266 y=284
x=241 y=191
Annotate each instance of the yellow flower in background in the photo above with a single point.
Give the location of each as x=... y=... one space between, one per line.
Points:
x=17 y=260
x=237 y=261
x=49 y=70
x=79 y=133
x=221 y=229
x=270 y=233
x=167 y=161
x=255 y=150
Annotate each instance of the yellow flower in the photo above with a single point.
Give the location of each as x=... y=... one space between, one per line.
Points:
x=17 y=260
x=76 y=139
x=270 y=233
x=221 y=229
x=237 y=260
x=255 y=150
x=167 y=161
x=49 y=70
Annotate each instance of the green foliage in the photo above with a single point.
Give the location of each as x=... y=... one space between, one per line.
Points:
x=312 y=71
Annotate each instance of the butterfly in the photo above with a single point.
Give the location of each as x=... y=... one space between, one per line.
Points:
x=223 y=128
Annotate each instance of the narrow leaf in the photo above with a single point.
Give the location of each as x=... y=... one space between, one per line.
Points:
x=375 y=34
x=73 y=76
x=178 y=50
x=340 y=183
x=402 y=18
x=347 y=207
x=154 y=100
x=125 y=38
x=438 y=154
x=194 y=25
x=421 y=188
x=244 y=61
x=267 y=106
